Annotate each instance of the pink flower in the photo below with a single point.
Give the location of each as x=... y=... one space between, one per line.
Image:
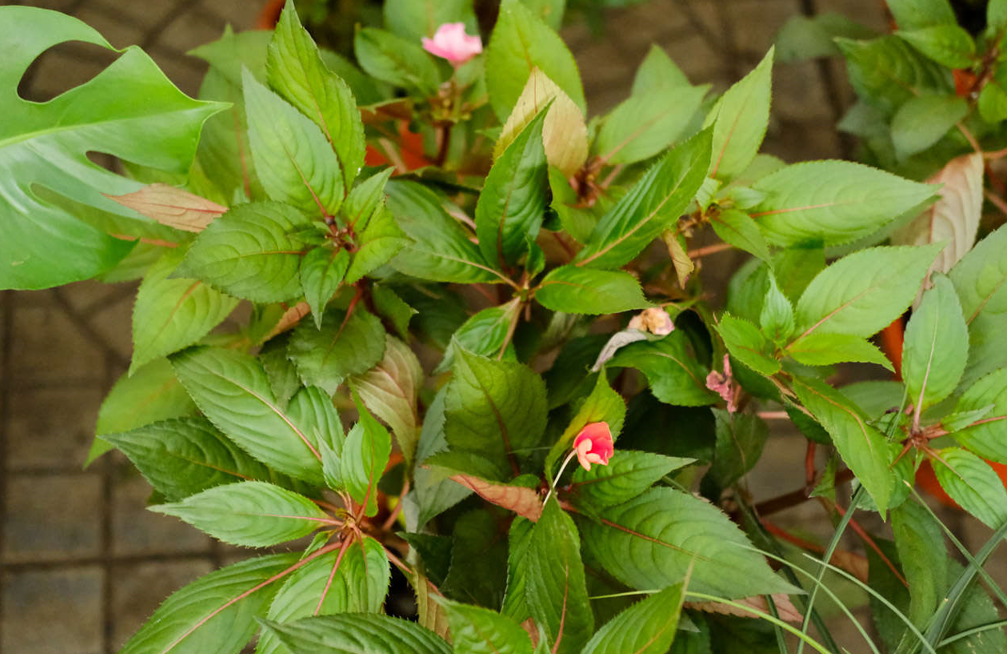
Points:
x=452 y=43
x=723 y=384
x=594 y=445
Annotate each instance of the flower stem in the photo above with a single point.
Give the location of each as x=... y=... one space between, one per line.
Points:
x=555 y=480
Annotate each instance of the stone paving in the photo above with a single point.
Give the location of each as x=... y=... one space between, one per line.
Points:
x=83 y=564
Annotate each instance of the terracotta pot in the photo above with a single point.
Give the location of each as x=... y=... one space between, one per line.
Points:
x=269 y=14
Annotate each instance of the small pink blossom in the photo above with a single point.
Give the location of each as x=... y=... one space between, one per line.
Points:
x=594 y=445
x=654 y=320
x=723 y=384
x=452 y=43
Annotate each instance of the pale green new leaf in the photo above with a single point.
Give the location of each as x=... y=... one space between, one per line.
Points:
x=739 y=121
x=737 y=228
x=342 y=347
x=216 y=613
x=364 y=457
x=936 y=345
x=572 y=289
x=987 y=435
x=521 y=42
x=475 y=630
x=441 y=250
x=653 y=204
x=747 y=344
x=44 y=245
x=357 y=633
x=294 y=161
x=628 y=474
x=864 y=291
x=556 y=590
x=917 y=14
x=825 y=349
x=322 y=270
x=390 y=391
x=295 y=70
x=670 y=364
x=924 y=120
x=646 y=123
x=949 y=45
x=484 y=334
x=378 y=243
x=973 y=484
x=250 y=252
x=249 y=513
x=832 y=202
x=777 y=317
x=513 y=199
x=864 y=449
x=652 y=541
x=364 y=200
x=647 y=627
x=232 y=390
x=359 y=585
x=182 y=457
x=150 y=394
x=173 y=313
x=657 y=70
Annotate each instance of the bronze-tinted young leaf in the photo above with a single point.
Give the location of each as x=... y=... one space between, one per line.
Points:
x=172 y=206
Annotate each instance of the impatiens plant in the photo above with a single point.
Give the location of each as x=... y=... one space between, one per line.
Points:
x=452 y=281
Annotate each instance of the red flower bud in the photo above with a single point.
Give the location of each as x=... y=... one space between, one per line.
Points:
x=594 y=445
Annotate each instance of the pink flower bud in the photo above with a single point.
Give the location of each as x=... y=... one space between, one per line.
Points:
x=452 y=43
x=654 y=320
x=723 y=385
x=594 y=445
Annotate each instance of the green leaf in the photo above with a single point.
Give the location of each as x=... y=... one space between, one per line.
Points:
x=936 y=345
x=364 y=457
x=572 y=289
x=397 y=61
x=652 y=541
x=322 y=270
x=513 y=199
x=378 y=243
x=627 y=475
x=484 y=334
x=42 y=244
x=670 y=364
x=886 y=72
x=249 y=513
x=475 y=630
x=365 y=199
x=739 y=121
x=738 y=229
x=802 y=38
x=393 y=308
x=973 y=484
x=653 y=204
x=171 y=313
x=150 y=394
x=250 y=252
x=777 y=317
x=920 y=542
x=747 y=344
x=602 y=405
x=992 y=102
x=182 y=457
x=740 y=438
x=279 y=369
x=232 y=390
x=988 y=436
x=433 y=493
x=216 y=613
x=342 y=347
x=295 y=163
x=515 y=604
x=834 y=202
x=824 y=349
x=478 y=560
x=521 y=42
x=556 y=590
x=647 y=627
x=864 y=291
x=924 y=120
x=657 y=70
x=494 y=410
x=357 y=633
x=390 y=390
x=916 y=14
x=646 y=123
x=414 y=19
x=441 y=250
x=295 y=70
x=358 y=585
x=864 y=449
x=949 y=45
x=980 y=280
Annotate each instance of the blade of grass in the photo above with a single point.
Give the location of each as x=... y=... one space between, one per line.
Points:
x=763 y=615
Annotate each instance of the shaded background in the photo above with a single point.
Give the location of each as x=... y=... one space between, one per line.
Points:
x=83 y=564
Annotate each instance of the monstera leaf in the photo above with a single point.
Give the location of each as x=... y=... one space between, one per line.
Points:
x=129 y=110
